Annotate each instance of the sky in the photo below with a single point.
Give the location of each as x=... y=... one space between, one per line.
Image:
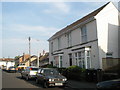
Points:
x=38 y=20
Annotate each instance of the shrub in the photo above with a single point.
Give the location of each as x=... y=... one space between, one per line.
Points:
x=61 y=70
x=75 y=72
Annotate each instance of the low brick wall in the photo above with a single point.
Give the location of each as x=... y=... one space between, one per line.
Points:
x=111 y=64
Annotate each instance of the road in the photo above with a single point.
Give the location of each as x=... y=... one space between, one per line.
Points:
x=13 y=80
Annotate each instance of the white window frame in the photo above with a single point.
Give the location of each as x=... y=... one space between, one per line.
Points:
x=59 y=42
x=84 y=34
x=76 y=58
x=80 y=58
x=60 y=61
x=69 y=39
x=51 y=46
x=87 y=63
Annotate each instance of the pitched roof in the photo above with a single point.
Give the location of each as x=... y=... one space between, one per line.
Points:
x=6 y=59
x=92 y=14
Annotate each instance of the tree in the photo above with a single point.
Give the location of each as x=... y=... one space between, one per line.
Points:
x=17 y=57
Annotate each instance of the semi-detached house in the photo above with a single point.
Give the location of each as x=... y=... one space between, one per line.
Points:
x=87 y=41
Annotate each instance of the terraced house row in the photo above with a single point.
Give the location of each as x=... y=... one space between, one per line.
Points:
x=90 y=42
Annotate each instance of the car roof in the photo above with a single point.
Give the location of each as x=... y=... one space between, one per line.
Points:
x=32 y=67
x=109 y=81
x=49 y=68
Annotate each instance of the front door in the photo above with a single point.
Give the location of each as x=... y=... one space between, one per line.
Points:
x=70 y=59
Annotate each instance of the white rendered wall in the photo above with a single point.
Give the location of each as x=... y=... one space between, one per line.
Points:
x=76 y=40
x=2 y=63
x=107 y=30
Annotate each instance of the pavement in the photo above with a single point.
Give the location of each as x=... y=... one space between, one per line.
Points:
x=81 y=84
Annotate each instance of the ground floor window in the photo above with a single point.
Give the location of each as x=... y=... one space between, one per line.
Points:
x=61 y=58
x=83 y=59
x=88 y=59
x=58 y=61
x=79 y=58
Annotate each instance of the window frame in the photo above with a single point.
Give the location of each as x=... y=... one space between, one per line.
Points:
x=59 y=43
x=69 y=39
x=84 y=34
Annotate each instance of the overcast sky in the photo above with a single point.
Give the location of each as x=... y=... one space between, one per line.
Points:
x=39 y=20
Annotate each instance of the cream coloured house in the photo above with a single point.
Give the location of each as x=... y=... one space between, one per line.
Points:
x=88 y=41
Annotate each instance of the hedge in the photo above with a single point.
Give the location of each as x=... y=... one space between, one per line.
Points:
x=73 y=72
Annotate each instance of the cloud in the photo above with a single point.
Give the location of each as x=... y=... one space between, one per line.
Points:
x=17 y=46
x=11 y=41
x=44 y=31
x=21 y=27
x=56 y=7
x=21 y=41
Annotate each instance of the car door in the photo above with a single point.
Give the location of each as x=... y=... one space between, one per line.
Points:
x=23 y=73
x=42 y=75
x=27 y=71
x=38 y=74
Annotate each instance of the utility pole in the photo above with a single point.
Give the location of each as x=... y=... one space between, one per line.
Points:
x=29 y=51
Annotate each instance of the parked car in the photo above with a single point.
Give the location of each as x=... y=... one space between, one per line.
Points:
x=50 y=77
x=109 y=84
x=11 y=69
x=29 y=72
x=21 y=68
x=4 y=68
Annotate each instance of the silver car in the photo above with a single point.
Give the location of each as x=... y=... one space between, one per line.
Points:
x=29 y=72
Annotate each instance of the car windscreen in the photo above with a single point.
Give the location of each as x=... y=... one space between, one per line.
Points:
x=51 y=72
x=11 y=67
x=34 y=69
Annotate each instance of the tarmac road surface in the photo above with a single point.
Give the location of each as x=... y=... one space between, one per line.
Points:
x=13 y=80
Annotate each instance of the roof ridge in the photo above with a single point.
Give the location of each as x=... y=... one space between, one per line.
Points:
x=94 y=13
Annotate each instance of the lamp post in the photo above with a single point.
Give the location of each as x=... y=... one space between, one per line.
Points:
x=29 y=51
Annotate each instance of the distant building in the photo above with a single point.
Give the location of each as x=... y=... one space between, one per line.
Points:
x=88 y=41
x=44 y=60
x=33 y=61
x=23 y=58
x=7 y=62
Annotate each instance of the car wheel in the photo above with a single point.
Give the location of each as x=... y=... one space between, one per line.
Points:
x=27 y=78
x=37 y=82
x=45 y=85
x=21 y=76
x=62 y=86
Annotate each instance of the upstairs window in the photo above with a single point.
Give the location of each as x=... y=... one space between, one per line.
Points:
x=69 y=39
x=84 y=34
x=51 y=46
x=59 y=43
